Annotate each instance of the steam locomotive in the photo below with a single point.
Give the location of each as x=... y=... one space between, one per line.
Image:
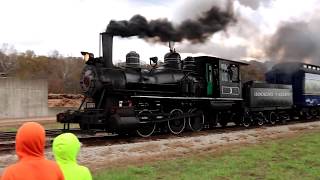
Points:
x=190 y=94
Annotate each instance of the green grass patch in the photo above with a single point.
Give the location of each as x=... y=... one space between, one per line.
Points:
x=291 y=158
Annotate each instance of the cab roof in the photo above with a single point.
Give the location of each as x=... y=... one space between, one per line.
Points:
x=213 y=58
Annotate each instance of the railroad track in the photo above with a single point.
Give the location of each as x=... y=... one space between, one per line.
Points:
x=7 y=139
x=10 y=135
x=107 y=140
x=99 y=138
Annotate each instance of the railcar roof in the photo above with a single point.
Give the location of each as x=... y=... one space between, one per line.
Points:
x=213 y=58
x=293 y=67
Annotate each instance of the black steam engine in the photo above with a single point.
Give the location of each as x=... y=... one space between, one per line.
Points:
x=191 y=94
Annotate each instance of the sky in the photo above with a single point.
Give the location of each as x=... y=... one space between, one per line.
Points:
x=71 y=26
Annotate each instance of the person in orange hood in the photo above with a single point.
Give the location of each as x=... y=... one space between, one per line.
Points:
x=32 y=164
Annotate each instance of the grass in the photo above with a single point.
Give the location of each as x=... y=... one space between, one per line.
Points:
x=292 y=158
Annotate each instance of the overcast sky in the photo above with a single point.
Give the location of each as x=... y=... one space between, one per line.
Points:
x=71 y=26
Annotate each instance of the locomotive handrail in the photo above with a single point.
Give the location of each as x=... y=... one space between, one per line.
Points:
x=189 y=98
x=93 y=109
x=184 y=115
x=143 y=91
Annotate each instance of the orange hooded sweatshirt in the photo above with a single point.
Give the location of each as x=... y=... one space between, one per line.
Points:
x=32 y=165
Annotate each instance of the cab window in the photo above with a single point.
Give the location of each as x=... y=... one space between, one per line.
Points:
x=229 y=72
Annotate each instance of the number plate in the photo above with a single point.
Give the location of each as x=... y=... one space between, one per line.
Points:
x=91 y=105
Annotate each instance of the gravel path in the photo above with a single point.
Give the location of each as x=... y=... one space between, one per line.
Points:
x=96 y=157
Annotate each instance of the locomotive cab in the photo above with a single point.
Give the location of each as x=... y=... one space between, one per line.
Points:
x=222 y=77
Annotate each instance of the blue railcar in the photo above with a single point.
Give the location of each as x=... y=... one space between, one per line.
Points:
x=305 y=81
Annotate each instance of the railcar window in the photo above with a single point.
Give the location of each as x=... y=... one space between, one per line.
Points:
x=312 y=84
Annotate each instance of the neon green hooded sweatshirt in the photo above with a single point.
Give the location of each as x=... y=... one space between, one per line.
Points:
x=65 y=149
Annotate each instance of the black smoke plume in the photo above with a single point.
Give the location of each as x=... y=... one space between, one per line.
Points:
x=296 y=41
x=195 y=30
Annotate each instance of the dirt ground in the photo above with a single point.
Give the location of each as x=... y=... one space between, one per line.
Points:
x=97 y=157
x=64 y=100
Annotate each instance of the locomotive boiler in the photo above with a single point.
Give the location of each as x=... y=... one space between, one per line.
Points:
x=100 y=73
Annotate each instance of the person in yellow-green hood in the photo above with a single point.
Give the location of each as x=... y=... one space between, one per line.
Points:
x=65 y=149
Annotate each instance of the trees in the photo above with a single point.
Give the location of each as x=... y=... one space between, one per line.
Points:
x=62 y=73
x=254 y=71
x=8 y=59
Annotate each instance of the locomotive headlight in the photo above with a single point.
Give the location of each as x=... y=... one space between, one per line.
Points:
x=86 y=57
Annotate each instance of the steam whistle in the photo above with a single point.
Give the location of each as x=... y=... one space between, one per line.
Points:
x=153 y=61
x=171 y=46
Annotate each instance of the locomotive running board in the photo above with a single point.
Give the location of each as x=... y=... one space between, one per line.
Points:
x=189 y=98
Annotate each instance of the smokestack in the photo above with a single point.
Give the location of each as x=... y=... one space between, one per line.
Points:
x=107 y=42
